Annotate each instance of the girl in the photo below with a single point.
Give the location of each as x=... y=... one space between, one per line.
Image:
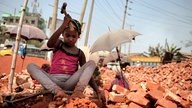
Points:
x=65 y=73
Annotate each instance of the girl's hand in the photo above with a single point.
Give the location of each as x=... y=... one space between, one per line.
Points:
x=67 y=19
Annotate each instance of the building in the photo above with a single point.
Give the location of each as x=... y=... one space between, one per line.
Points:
x=30 y=18
x=34 y=19
x=145 y=61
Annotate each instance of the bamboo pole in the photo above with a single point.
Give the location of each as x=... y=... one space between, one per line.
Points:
x=89 y=23
x=18 y=38
x=54 y=17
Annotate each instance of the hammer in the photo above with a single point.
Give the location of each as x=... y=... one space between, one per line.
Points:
x=63 y=9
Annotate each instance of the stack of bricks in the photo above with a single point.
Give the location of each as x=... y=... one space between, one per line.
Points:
x=167 y=86
x=152 y=97
x=173 y=76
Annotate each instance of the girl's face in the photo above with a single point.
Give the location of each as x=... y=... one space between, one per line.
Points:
x=70 y=36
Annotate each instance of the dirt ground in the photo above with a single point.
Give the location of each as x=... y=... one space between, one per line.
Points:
x=6 y=61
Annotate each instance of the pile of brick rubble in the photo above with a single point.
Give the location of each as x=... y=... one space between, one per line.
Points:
x=164 y=86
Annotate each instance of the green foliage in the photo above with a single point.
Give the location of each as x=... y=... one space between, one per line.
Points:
x=171 y=49
x=2 y=29
x=35 y=42
x=3 y=36
x=155 y=51
x=159 y=51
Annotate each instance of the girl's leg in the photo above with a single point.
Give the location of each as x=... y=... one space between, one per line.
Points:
x=43 y=78
x=80 y=78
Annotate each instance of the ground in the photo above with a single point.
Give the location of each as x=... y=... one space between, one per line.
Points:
x=174 y=76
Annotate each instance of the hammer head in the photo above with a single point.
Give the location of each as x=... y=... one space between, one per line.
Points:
x=63 y=8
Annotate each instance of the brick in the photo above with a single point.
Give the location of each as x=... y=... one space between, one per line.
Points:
x=120 y=89
x=138 y=99
x=134 y=105
x=184 y=94
x=20 y=79
x=117 y=97
x=190 y=97
x=121 y=105
x=124 y=106
x=165 y=103
x=135 y=87
x=159 y=107
x=187 y=85
x=1 y=99
x=109 y=106
x=185 y=104
x=141 y=92
x=28 y=85
x=151 y=85
x=143 y=86
x=172 y=97
x=155 y=94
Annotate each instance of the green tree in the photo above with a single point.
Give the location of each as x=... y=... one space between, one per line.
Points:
x=167 y=53
x=170 y=53
x=173 y=49
x=35 y=42
x=155 y=51
x=3 y=36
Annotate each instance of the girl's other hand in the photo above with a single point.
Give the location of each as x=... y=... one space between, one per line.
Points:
x=61 y=94
x=101 y=97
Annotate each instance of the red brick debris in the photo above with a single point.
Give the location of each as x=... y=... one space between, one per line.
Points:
x=164 y=86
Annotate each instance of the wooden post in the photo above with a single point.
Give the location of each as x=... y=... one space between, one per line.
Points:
x=18 y=38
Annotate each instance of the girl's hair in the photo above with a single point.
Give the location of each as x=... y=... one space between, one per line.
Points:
x=77 y=25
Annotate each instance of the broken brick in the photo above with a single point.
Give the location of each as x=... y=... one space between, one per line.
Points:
x=120 y=89
x=117 y=97
x=142 y=101
x=155 y=94
x=165 y=103
x=134 y=105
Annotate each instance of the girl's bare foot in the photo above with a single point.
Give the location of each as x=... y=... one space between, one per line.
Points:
x=77 y=94
x=61 y=94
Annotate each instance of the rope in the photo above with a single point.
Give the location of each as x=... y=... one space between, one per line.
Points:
x=23 y=54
